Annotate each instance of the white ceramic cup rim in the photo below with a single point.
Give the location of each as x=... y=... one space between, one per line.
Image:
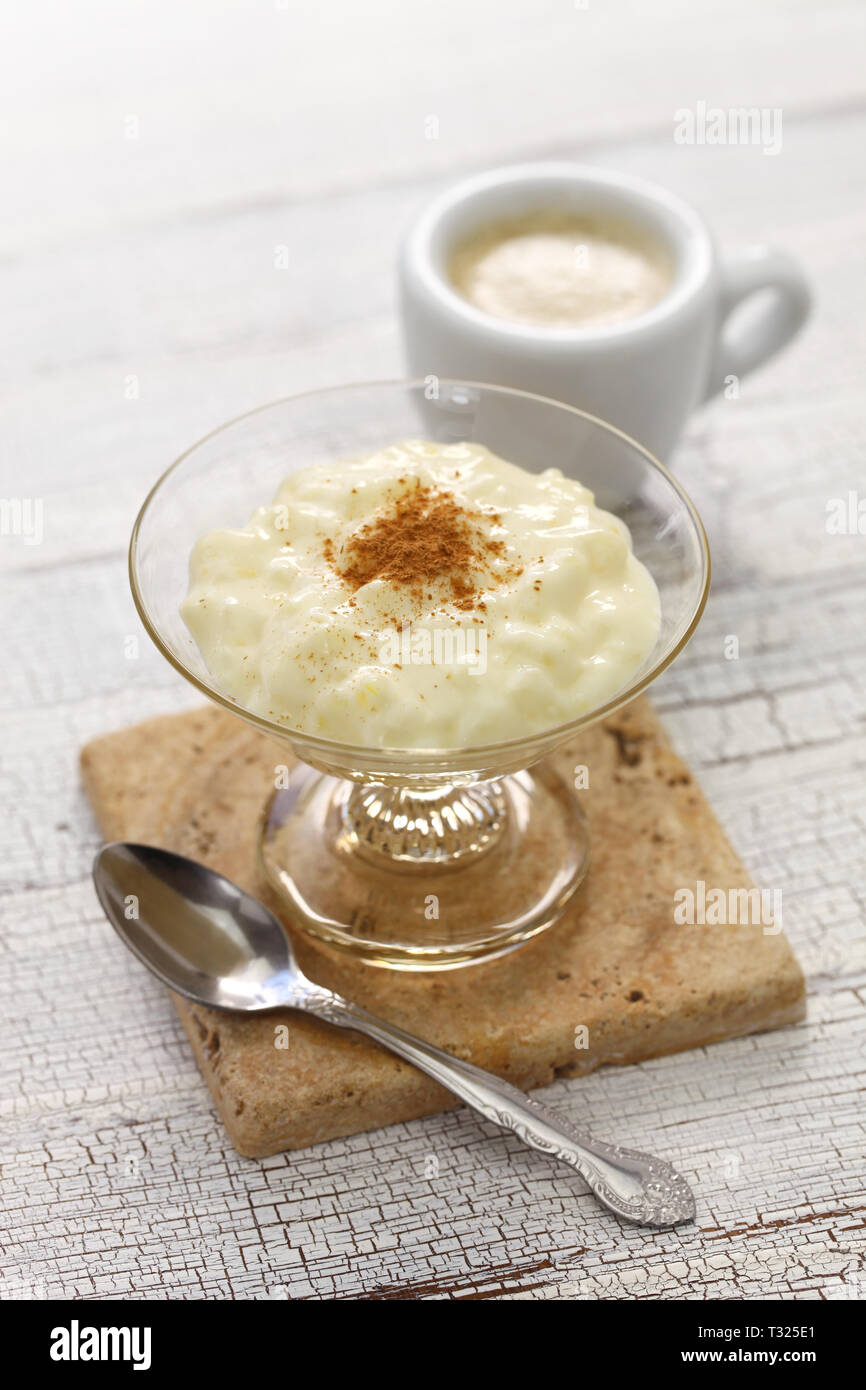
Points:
x=673 y=222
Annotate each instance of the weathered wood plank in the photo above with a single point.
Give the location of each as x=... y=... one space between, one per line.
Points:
x=153 y=258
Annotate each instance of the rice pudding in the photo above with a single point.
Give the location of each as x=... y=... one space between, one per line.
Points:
x=422 y=596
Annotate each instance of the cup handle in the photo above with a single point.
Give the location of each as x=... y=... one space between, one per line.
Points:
x=742 y=346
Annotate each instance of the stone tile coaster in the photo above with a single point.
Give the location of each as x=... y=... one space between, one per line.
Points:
x=616 y=965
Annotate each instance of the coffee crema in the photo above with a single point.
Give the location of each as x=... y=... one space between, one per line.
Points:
x=556 y=270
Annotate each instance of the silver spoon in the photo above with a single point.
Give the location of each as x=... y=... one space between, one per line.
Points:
x=215 y=944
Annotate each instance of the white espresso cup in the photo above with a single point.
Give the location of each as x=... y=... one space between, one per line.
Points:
x=644 y=374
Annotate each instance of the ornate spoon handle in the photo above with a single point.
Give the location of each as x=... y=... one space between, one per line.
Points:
x=632 y=1184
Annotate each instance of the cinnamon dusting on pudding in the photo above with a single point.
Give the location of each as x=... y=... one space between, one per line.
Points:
x=425 y=537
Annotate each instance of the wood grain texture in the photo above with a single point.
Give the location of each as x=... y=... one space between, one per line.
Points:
x=142 y=307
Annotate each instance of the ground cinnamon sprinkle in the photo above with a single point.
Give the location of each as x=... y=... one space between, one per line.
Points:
x=425 y=537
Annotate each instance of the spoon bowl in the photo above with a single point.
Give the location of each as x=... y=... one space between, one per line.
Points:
x=196 y=931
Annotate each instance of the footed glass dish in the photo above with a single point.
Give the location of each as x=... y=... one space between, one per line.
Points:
x=421 y=858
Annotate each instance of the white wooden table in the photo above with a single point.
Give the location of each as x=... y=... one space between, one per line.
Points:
x=160 y=156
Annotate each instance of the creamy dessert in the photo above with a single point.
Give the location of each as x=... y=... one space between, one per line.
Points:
x=423 y=596
x=554 y=270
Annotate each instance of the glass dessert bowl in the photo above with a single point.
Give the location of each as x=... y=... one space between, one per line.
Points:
x=417 y=858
